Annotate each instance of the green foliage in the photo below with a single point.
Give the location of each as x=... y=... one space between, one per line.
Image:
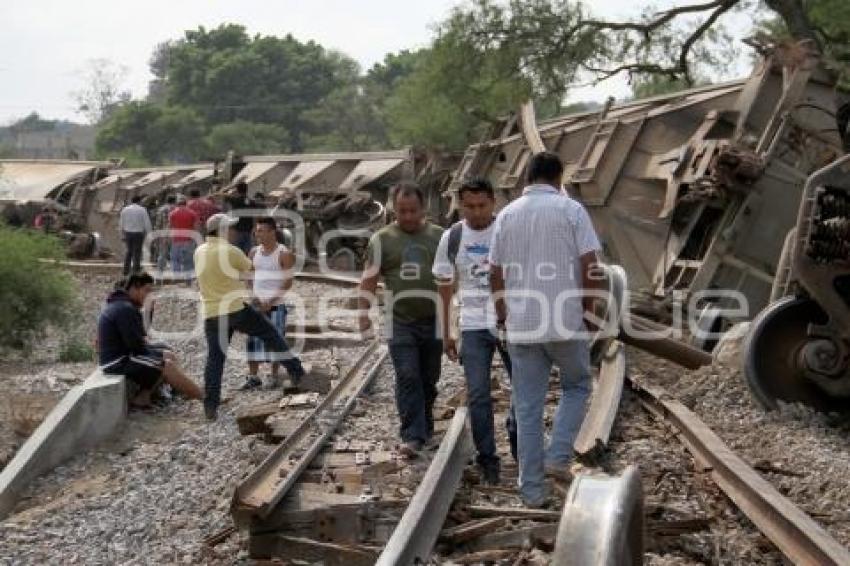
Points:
x=75 y=350
x=830 y=21
x=226 y=75
x=152 y=132
x=221 y=89
x=456 y=89
x=33 y=294
x=545 y=47
x=247 y=138
x=579 y=107
x=647 y=86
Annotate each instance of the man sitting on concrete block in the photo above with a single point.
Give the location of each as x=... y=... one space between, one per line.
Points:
x=124 y=349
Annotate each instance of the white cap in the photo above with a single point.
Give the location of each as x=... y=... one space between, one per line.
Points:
x=218 y=222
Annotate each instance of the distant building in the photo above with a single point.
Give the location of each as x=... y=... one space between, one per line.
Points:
x=65 y=140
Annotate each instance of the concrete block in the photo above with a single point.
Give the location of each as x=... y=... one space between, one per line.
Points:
x=88 y=414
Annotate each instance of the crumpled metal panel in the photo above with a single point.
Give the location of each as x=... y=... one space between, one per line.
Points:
x=24 y=181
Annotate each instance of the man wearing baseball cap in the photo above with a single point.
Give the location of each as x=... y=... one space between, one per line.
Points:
x=221 y=269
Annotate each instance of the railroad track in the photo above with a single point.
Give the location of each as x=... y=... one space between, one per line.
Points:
x=449 y=524
x=341 y=498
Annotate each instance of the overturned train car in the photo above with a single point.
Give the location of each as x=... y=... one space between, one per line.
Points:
x=692 y=192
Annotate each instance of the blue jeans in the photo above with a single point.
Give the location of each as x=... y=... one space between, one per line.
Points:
x=417 y=355
x=219 y=330
x=163 y=254
x=476 y=354
x=532 y=364
x=244 y=241
x=183 y=258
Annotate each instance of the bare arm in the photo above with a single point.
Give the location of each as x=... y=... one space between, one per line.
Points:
x=287 y=263
x=497 y=288
x=368 y=286
x=248 y=276
x=446 y=289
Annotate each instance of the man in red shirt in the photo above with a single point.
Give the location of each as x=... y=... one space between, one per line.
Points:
x=184 y=229
x=204 y=207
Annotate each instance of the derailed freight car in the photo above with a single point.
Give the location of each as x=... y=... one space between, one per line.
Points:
x=690 y=192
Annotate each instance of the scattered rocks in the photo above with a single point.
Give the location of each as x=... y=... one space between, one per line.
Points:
x=803 y=453
x=166 y=482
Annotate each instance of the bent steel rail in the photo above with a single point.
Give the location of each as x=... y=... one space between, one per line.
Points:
x=416 y=533
x=793 y=532
x=596 y=427
x=262 y=490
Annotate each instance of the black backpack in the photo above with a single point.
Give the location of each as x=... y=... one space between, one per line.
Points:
x=455 y=233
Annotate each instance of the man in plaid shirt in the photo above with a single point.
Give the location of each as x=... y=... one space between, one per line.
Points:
x=542 y=258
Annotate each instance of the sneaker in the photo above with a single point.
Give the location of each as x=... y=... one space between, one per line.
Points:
x=410 y=449
x=211 y=413
x=252 y=382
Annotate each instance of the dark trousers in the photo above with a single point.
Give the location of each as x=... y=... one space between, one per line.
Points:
x=219 y=330
x=416 y=354
x=133 y=243
x=476 y=355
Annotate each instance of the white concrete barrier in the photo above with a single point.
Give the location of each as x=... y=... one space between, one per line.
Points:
x=88 y=414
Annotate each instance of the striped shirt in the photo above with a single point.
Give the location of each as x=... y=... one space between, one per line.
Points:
x=538 y=240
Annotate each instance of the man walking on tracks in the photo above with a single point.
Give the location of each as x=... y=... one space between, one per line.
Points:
x=403 y=253
x=134 y=224
x=221 y=268
x=464 y=250
x=543 y=253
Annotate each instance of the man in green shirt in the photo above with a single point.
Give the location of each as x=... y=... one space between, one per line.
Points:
x=403 y=253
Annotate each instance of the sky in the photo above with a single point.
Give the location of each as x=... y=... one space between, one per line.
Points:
x=45 y=44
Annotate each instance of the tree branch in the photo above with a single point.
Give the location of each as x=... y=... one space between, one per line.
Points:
x=605 y=74
x=663 y=18
x=793 y=13
x=697 y=34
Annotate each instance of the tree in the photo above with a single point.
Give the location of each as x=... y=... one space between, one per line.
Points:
x=158 y=65
x=226 y=75
x=102 y=91
x=33 y=123
x=246 y=138
x=352 y=116
x=649 y=85
x=559 y=40
x=456 y=89
x=155 y=133
x=826 y=22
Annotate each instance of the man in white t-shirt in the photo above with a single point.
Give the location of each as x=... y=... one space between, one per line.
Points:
x=543 y=256
x=464 y=251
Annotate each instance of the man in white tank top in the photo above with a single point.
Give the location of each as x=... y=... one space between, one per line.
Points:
x=273 y=264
